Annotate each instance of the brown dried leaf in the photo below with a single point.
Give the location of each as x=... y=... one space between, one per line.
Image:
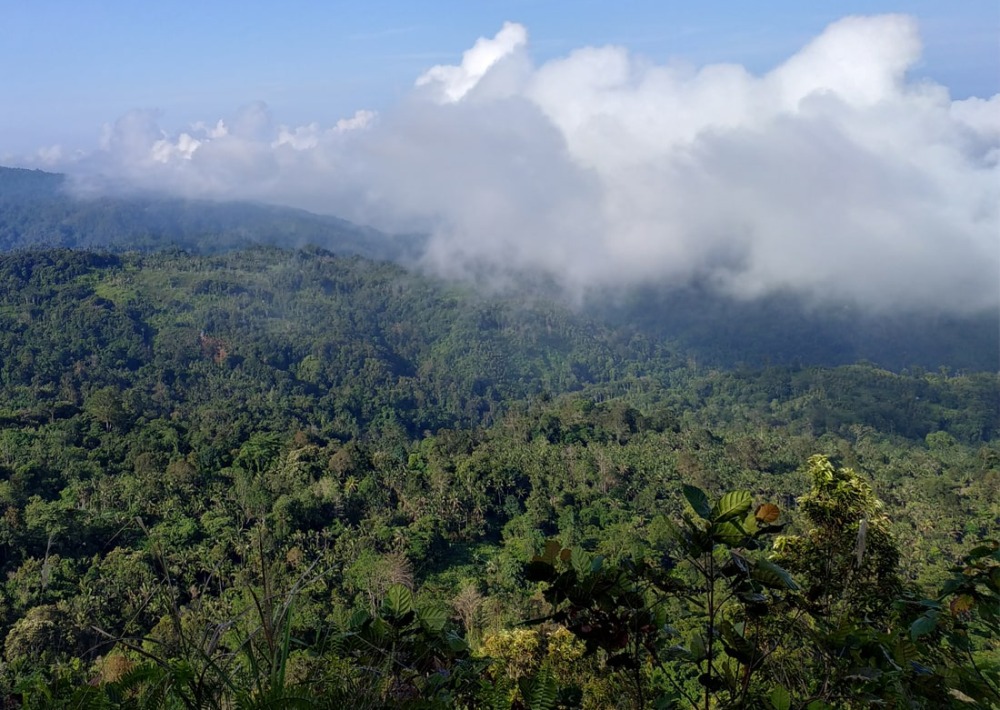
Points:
x=768 y=513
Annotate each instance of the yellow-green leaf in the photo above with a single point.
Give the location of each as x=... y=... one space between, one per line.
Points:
x=780 y=698
x=962 y=603
x=734 y=504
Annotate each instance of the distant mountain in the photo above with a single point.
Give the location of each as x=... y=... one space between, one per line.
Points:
x=37 y=210
x=780 y=329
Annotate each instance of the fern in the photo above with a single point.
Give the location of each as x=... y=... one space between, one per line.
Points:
x=539 y=692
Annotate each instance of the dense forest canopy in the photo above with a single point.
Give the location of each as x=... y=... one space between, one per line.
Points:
x=176 y=425
x=304 y=478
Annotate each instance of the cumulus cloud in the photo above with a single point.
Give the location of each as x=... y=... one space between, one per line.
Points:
x=452 y=83
x=833 y=175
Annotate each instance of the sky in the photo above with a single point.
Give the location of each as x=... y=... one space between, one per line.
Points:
x=844 y=150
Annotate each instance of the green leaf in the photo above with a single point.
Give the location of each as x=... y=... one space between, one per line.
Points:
x=734 y=504
x=378 y=629
x=713 y=682
x=620 y=660
x=456 y=643
x=580 y=559
x=359 y=619
x=905 y=651
x=981 y=551
x=433 y=618
x=962 y=603
x=698 y=650
x=398 y=600
x=771 y=575
x=540 y=692
x=735 y=645
x=739 y=561
x=728 y=533
x=780 y=698
x=698 y=500
x=924 y=624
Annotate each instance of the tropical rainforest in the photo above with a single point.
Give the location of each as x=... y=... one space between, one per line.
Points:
x=240 y=475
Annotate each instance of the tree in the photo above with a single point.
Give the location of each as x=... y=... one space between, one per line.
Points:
x=847 y=559
x=724 y=588
x=105 y=406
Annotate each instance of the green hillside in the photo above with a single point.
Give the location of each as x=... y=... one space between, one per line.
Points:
x=272 y=478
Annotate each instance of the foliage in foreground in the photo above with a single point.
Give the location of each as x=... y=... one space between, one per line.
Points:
x=713 y=622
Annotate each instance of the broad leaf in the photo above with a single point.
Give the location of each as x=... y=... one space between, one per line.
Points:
x=728 y=533
x=398 y=600
x=359 y=620
x=378 y=629
x=698 y=500
x=962 y=603
x=713 y=682
x=924 y=624
x=735 y=645
x=734 y=504
x=767 y=513
x=771 y=575
x=981 y=551
x=433 y=618
x=580 y=559
x=698 y=650
x=739 y=561
x=456 y=643
x=780 y=698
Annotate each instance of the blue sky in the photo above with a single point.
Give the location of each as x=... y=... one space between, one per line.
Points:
x=845 y=151
x=67 y=67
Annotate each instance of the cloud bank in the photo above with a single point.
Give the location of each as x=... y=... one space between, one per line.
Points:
x=833 y=175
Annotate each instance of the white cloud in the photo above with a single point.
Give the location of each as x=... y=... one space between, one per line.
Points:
x=454 y=82
x=833 y=175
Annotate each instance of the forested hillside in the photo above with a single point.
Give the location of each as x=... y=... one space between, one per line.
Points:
x=272 y=478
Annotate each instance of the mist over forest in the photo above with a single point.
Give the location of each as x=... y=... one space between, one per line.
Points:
x=39 y=209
